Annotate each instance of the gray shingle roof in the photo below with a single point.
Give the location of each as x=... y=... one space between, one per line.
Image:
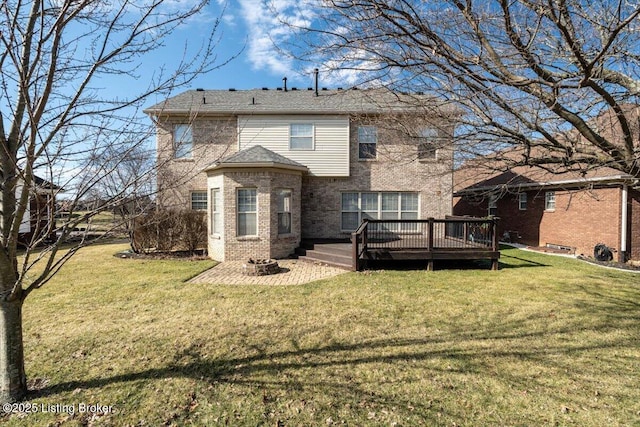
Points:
x=520 y=178
x=261 y=101
x=257 y=156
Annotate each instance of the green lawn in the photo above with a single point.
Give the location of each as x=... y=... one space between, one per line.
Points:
x=543 y=341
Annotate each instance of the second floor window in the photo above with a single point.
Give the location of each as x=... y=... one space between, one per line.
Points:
x=427 y=144
x=367 y=142
x=183 y=141
x=301 y=136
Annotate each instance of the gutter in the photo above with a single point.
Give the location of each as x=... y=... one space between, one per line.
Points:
x=527 y=186
x=273 y=165
x=623 y=224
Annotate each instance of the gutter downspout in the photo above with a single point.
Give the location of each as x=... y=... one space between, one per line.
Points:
x=623 y=224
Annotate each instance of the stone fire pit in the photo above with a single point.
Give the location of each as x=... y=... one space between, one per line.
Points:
x=260 y=267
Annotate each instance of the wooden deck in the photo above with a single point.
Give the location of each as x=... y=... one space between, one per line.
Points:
x=429 y=240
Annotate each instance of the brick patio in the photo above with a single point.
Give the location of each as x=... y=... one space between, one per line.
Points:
x=295 y=273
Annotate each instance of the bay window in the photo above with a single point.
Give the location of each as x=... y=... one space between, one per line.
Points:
x=216 y=211
x=284 y=211
x=247 y=212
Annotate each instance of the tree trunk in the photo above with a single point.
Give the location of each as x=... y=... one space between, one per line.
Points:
x=13 y=381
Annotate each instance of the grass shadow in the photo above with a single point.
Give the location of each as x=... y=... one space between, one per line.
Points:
x=519 y=262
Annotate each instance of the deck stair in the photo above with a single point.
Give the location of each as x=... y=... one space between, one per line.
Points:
x=333 y=254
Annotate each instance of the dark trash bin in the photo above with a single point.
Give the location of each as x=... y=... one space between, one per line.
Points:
x=602 y=253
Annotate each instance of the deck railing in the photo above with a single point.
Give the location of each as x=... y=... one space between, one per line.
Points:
x=431 y=235
x=359 y=244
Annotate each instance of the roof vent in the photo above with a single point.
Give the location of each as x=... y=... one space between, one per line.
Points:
x=419 y=93
x=324 y=88
x=278 y=88
x=309 y=88
x=294 y=88
x=265 y=88
x=339 y=88
x=232 y=89
x=200 y=89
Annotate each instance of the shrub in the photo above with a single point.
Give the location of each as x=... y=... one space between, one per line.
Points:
x=193 y=230
x=170 y=230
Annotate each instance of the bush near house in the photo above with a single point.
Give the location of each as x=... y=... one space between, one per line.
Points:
x=170 y=230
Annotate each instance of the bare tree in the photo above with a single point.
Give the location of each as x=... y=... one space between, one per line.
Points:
x=121 y=183
x=553 y=83
x=59 y=125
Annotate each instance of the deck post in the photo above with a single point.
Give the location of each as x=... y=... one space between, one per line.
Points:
x=430 y=237
x=431 y=221
x=354 y=251
x=356 y=264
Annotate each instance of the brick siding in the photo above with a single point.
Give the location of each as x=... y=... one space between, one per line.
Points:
x=581 y=219
x=267 y=243
x=177 y=178
x=318 y=199
x=396 y=168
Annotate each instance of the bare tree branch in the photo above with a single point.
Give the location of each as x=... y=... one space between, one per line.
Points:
x=538 y=77
x=62 y=132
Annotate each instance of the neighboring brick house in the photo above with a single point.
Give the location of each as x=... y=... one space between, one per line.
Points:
x=538 y=208
x=273 y=167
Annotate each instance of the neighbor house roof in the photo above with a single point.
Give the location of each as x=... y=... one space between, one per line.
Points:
x=257 y=157
x=473 y=180
x=269 y=101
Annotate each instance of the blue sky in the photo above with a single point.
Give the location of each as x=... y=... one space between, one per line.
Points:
x=249 y=28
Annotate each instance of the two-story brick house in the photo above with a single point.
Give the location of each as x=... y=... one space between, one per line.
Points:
x=273 y=167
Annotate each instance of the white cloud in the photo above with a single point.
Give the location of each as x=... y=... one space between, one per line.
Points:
x=265 y=22
x=273 y=32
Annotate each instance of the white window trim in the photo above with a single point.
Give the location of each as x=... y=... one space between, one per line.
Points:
x=379 y=209
x=426 y=138
x=312 y=136
x=176 y=149
x=215 y=209
x=375 y=129
x=200 y=192
x=238 y=213
x=549 y=196
x=522 y=199
x=290 y=191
